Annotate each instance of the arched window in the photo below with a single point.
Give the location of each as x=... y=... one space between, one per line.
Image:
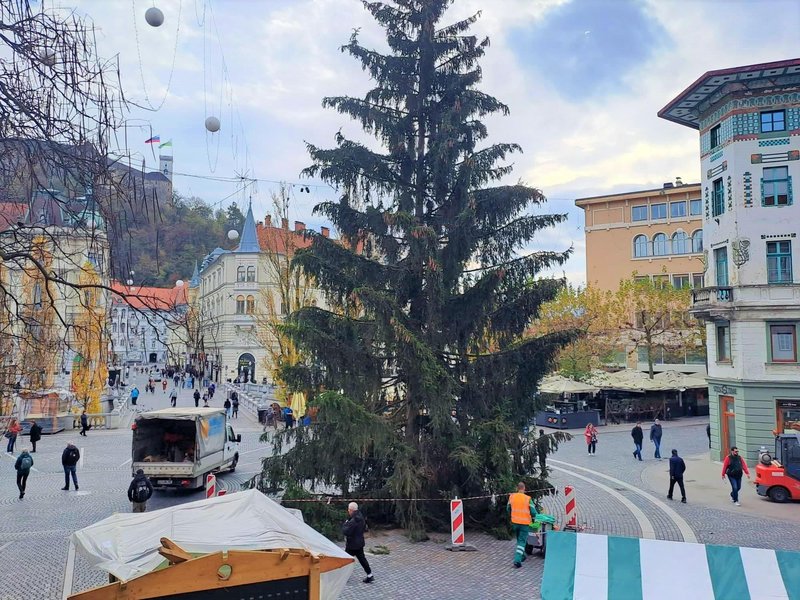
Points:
x=250 y=305
x=680 y=243
x=239 y=304
x=640 y=246
x=697 y=241
x=251 y=273
x=660 y=244
x=240 y=274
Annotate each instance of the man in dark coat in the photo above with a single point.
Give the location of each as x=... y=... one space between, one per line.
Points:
x=676 y=470
x=353 y=530
x=655 y=437
x=638 y=437
x=139 y=491
x=70 y=458
x=36 y=434
x=84 y=423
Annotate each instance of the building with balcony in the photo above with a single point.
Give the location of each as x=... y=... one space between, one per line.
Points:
x=654 y=233
x=749 y=124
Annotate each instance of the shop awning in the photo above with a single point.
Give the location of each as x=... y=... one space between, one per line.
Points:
x=581 y=566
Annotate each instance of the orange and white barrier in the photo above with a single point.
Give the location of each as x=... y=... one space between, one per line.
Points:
x=211 y=485
x=571 y=508
x=457 y=522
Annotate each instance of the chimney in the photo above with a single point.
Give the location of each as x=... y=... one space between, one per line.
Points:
x=669 y=185
x=325 y=231
x=285 y=223
x=299 y=226
x=268 y=221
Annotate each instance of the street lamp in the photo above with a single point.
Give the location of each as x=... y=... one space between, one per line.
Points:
x=130 y=278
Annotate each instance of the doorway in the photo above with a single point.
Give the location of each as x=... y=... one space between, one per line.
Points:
x=728 y=422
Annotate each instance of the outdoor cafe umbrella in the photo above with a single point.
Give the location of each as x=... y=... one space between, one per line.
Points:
x=558 y=384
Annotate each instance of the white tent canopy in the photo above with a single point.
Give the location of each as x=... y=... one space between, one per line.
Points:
x=680 y=380
x=558 y=384
x=126 y=545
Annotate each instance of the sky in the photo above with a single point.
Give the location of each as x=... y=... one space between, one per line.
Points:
x=584 y=80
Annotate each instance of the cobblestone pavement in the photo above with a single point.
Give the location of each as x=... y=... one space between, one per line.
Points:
x=34 y=532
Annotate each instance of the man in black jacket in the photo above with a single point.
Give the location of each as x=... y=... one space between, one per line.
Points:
x=36 y=434
x=676 y=469
x=139 y=491
x=70 y=458
x=353 y=530
x=638 y=436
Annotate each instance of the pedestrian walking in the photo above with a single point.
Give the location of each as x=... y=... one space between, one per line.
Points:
x=164 y=385
x=655 y=437
x=196 y=397
x=235 y=405
x=520 y=507
x=638 y=437
x=353 y=530
x=676 y=470
x=23 y=467
x=211 y=389
x=733 y=467
x=69 y=459
x=205 y=401
x=36 y=434
x=84 y=423
x=134 y=395
x=227 y=406
x=11 y=433
x=173 y=397
x=541 y=450
x=288 y=417
x=590 y=435
x=139 y=491
x=150 y=386
x=708 y=433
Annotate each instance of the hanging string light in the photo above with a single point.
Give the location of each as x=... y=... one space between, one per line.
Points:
x=154 y=16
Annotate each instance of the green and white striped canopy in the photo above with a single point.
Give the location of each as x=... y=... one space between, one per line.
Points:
x=582 y=566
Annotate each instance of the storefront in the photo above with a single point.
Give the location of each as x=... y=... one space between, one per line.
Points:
x=788 y=416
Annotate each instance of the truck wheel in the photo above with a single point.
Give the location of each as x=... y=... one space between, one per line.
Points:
x=779 y=494
x=234 y=463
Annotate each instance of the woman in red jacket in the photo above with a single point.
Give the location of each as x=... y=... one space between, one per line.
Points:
x=11 y=434
x=590 y=435
x=733 y=467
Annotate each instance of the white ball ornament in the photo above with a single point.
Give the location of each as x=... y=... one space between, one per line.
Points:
x=233 y=234
x=179 y=283
x=154 y=17
x=212 y=124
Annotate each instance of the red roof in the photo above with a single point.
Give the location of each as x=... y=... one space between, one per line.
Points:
x=153 y=298
x=11 y=213
x=279 y=240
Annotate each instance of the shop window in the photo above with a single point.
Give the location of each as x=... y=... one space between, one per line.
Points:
x=788 y=414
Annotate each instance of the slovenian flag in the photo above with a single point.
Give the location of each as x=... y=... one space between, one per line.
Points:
x=581 y=566
x=154 y=140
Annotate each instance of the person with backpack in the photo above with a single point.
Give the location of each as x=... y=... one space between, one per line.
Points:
x=196 y=397
x=227 y=406
x=36 y=434
x=134 y=395
x=173 y=397
x=353 y=530
x=11 y=434
x=734 y=466
x=235 y=405
x=638 y=436
x=655 y=437
x=139 y=491
x=676 y=470
x=69 y=460
x=23 y=467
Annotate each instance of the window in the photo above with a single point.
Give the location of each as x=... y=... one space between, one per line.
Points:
x=660 y=244
x=680 y=281
x=715 y=135
x=240 y=305
x=776 y=186
x=240 y=274
x=696 y=207
x=251 y=273
x=250 y=305
x=723 y=343
x=680 y=243
x=639 y=213
x=677 y=209
x=717 y=198
x=640 y=246
x=721 y=266
x=783 y=343
x=697 y=241
x=698 y=280
x=642 y=279
x=773 y=120
x=660 y=281
x=779 y=262
x=658 y=211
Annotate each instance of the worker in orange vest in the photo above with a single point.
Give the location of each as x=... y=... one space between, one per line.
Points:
x=520 y=507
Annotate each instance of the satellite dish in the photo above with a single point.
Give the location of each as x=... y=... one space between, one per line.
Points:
x=233 y=234
x=212 y=124
x=154 y=16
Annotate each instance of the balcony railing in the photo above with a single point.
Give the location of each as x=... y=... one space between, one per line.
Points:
x=712 y=295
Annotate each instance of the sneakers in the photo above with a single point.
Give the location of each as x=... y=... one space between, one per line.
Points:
x=21 y=495
x=737 y=504
x=517 y=565
x=669 y=497
x=66 y=488
x=369 y=578
x=683 y=500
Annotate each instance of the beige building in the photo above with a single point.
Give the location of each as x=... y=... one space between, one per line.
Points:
x=653 y=233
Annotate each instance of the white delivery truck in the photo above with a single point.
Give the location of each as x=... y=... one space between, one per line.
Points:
x=178 y=447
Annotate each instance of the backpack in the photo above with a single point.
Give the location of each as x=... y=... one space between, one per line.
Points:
x=74 y=455
x=26 y=463
x=141 y=493
x=735 y=467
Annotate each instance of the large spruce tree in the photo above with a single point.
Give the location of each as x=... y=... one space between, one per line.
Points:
x=431 y=287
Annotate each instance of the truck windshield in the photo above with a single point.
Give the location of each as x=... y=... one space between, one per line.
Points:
x=157 y=440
